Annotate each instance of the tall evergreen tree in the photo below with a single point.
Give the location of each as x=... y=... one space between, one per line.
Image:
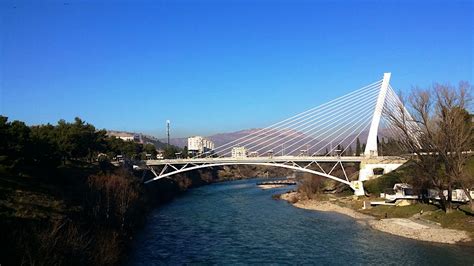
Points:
x=358 y=149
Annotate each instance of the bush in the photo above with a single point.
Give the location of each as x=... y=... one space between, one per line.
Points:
x=378 y=185
x=310 y=186
x=115 y=198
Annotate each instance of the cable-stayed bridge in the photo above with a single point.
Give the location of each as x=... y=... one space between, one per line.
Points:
x=321 y=135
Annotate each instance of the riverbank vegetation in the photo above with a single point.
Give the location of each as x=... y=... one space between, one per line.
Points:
x=438 y=131
x=61 y=201
x=313 y=193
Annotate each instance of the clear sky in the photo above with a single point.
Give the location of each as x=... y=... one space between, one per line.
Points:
x=217 y=66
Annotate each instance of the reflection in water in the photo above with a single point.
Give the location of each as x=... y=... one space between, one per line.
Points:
x=237 y=222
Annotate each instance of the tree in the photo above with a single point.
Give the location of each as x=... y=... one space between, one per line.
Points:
x=79 y=140
x=46 y=154
x=350 y=151
x=170 y=152
x=358 y=148
x=150 y=148
x=185 y=152
x=15 y=144
x=379 y=146
x=391 y=147
x=438 y=133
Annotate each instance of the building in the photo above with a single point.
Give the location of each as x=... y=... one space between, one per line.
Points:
x=126 y=136
x=160 y=154
x=199 y=145
x=253 y=154
x=239 y=152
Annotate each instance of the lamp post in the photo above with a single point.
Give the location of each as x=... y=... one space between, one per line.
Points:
x=168 y=132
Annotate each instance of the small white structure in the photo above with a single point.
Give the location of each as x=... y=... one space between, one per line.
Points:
x=400 y=191
x=457 y=195
x=253 y=154
x=159 y=155
x=126 y=138
x=199 y=145
x=239 y=152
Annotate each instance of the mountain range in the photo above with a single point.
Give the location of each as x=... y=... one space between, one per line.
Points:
x=296 y=139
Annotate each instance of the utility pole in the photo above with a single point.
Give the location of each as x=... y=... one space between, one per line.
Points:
x=168 y=132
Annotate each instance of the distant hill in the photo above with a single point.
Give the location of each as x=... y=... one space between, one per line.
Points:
x=297 y=139
x=222 y=138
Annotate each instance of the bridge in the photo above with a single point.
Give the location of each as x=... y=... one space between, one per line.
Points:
x=325 y=134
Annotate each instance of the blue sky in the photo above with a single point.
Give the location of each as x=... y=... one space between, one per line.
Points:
x=217 y=66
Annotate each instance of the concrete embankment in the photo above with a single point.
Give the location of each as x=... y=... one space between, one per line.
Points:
x=405 y=227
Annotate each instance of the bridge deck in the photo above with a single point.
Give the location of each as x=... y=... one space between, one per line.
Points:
x=273 y=159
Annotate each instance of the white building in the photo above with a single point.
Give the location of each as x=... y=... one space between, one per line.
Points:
x=239 y=152
x=198 y=144
x=126 y=138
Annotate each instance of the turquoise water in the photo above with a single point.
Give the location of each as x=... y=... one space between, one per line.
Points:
x=236 y=222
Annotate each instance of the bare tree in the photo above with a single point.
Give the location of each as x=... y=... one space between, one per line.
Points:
x=436 y=128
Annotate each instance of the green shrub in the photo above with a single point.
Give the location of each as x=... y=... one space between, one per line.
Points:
x=378 y=185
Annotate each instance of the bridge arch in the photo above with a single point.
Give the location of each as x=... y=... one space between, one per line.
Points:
x=293 y=167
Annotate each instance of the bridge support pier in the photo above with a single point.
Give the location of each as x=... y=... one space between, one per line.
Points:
x=373 y=168
x=358 y=188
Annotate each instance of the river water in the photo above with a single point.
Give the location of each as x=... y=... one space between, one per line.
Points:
x=236 y=222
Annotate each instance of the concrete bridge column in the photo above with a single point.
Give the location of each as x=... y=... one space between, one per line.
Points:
x=358 y=188
x=368 y=166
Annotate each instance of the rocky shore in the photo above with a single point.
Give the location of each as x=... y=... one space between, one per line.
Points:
x=413 y=227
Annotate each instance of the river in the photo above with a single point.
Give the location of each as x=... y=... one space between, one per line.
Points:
x=236 y=222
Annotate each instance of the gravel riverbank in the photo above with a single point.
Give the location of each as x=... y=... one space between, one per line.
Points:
x=405 y=227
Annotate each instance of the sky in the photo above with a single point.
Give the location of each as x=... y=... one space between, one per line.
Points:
x=218 y=66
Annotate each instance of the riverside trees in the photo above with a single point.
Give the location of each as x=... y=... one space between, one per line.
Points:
x=77 y=209
x=24 y=148
x=441 y=138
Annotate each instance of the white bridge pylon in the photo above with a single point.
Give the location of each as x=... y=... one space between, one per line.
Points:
x=323 y=134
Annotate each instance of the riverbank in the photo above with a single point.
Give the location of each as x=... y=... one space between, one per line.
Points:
x=414 y=227
x=79 y=214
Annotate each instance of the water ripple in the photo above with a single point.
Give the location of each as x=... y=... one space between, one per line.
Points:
x=237 y=223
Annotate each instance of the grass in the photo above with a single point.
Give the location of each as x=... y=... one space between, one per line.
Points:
x=27 y=200
x=455 y=220
x=349 y=202
x=37 y=198
x=384 y=211
x=470 y=165
x=458 y=219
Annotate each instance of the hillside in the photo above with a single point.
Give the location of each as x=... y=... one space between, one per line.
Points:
x=143 y=138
